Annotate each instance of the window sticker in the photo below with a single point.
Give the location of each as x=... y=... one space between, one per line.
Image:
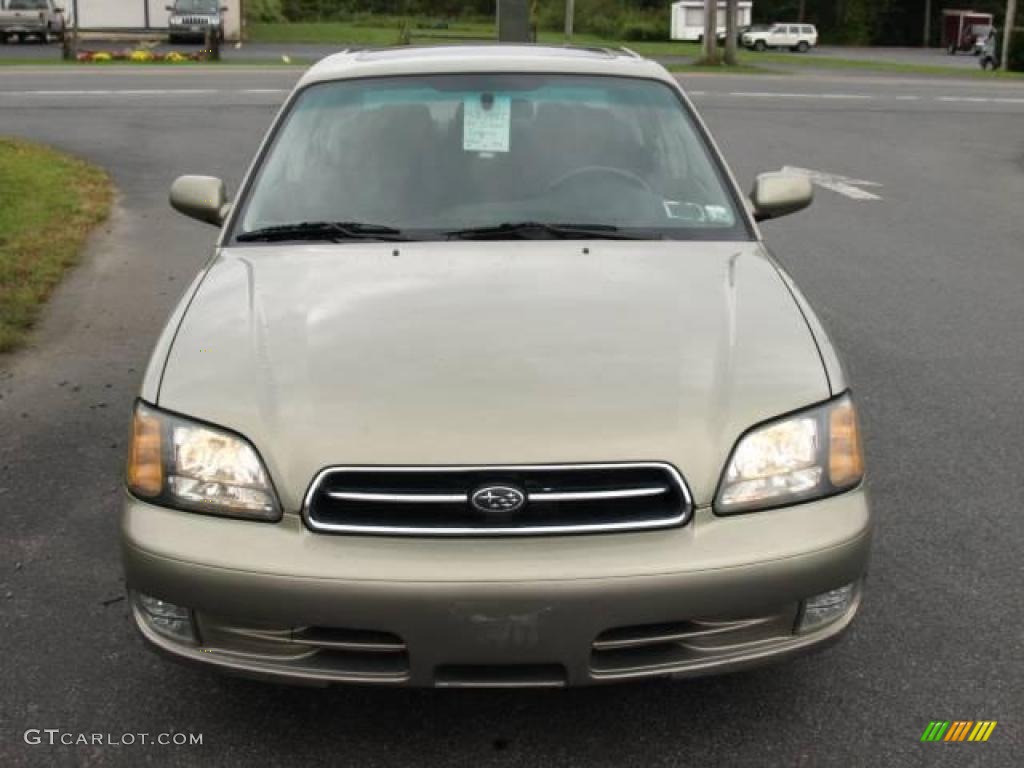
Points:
x=486 y=123
x=718 y=214
x=674 y=209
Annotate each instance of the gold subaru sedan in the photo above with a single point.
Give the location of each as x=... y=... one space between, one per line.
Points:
x=491 y=381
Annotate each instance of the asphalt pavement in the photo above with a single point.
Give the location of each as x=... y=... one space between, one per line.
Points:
x=921 y=283
x=258 y=51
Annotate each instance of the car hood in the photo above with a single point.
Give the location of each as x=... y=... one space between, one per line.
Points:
x=492 y=352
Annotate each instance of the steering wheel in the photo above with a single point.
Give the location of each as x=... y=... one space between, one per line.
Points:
x=589 y=170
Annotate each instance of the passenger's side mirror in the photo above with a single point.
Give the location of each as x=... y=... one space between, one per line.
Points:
x=780 y=194
x=200 y=197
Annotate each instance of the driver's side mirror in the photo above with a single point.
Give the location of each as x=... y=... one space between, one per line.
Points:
x=201 y=197
x=169 y=8
x=780 y=194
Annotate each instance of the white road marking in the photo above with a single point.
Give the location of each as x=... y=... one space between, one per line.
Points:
x=146 y=92
x=844 y=185
x=862 y=97
x=767 y=94
x=117 y=92
x=164 y=92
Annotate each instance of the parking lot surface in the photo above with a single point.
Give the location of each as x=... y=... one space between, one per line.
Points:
x=921 y=285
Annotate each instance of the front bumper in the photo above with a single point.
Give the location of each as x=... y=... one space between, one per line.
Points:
x=278 y=601
x=197 y=31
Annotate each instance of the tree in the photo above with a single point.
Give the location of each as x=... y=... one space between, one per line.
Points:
x=731 y=7
x=1011 y=17
x=710 y=31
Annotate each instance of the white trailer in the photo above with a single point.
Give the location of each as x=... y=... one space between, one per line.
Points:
x=688 y=19
x=140 y=15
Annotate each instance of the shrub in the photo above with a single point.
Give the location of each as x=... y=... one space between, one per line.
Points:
x=644 y=31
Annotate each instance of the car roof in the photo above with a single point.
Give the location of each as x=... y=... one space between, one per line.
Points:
x=453 y=59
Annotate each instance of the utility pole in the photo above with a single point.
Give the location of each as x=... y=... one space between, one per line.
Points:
x=570 y=11
x=731 y=7
x=513 y=21
x=927 y=24
x=1011 y=15
x=710 y=30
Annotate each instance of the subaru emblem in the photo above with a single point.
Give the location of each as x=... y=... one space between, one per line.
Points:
x=498 y=498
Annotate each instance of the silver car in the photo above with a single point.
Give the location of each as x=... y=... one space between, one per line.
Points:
x=491 y=381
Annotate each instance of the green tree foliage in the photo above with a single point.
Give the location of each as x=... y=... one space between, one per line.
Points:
x=264 y=10
x=1016 y=58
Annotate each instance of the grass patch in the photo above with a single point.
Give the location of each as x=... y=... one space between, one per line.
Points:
x=721 y=69
x=382 y=30
x=295 y=61
x=385 y=30
x=811 y=61
x=49 y=203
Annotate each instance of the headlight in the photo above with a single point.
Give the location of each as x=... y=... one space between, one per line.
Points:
x=197 y=467
x=804 y=456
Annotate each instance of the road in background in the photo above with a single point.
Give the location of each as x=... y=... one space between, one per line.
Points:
x=934 y=57
x=922 y=289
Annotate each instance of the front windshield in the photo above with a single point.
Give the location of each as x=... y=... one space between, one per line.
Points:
x=427 y=155
x=196 y=6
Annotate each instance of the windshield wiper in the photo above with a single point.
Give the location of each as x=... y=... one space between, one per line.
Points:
x=328 y=231
x=539 y=230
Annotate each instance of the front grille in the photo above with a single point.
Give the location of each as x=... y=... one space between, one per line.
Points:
x=497 y=500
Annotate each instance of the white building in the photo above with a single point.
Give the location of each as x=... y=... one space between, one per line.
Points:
x=688 y=19
x=140 y=15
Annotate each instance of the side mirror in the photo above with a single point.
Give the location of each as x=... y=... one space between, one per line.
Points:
x=169 y=8
x=200 y=197
x=780 y=194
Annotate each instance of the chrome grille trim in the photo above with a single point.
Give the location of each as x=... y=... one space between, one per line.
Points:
x=681 y=517
x=629 y=493
x=400 y=498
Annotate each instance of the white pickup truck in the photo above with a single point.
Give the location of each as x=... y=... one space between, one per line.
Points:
x=24 y=19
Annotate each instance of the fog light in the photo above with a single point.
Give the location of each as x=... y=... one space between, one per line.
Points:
x=825 y=608
x=168 y=619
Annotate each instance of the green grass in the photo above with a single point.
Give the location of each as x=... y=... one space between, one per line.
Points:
x=739 y=69
x=49 y=203
x=381 y=30
x=295 y=61
x=385 y=30
x=811 y=61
